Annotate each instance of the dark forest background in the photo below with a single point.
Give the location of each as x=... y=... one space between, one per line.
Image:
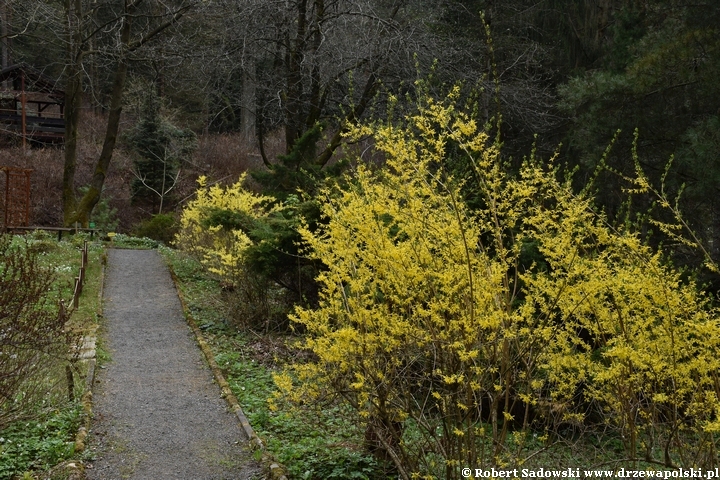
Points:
x=217 y=87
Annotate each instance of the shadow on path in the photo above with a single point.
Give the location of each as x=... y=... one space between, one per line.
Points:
x=157 y=412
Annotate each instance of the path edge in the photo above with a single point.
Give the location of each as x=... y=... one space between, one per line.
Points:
x=277 y=471
x=87 y=396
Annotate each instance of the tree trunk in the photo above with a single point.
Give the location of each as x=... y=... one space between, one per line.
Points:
x=5 y=33
x=73 y=96
x=247 y=116
x=294 y=85
x=81 y=214
x=73 y=103
x=368 y=92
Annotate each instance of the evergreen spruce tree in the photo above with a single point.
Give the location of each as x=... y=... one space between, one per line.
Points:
x=159 y=148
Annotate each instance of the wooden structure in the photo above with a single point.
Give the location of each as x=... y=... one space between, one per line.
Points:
x=31 y=105
x=58 y=230
x=16 y=197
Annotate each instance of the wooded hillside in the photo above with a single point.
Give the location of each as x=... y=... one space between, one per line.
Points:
x=574 y=72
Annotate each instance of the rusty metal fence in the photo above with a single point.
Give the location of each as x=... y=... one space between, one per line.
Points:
x=15 y=197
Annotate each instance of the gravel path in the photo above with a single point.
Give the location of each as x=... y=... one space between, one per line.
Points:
x=157 y=412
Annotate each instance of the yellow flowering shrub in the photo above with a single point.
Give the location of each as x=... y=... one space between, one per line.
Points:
x=220 y=248
x=454 y=333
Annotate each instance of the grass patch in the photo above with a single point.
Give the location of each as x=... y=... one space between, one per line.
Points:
x=121 y=240
x=312 y=442
x=45 y=434
x=40 y=444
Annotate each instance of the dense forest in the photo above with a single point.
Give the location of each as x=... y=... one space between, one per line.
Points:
x=578 y=77
x=484 y=217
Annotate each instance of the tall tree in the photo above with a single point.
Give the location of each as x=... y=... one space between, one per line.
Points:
x=131 y=24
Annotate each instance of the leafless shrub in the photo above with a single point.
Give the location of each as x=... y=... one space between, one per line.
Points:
x=220 y=155
x=222 y=158
x=256 y=303
x=32 y=335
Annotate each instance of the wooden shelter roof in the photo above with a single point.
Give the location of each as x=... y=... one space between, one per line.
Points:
x=31 y=105
x=34 y=79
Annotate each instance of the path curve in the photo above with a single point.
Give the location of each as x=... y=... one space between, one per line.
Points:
x=157 y=412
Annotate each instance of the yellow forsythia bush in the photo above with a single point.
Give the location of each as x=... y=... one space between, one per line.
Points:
x=220 y=248
x=477 y=337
